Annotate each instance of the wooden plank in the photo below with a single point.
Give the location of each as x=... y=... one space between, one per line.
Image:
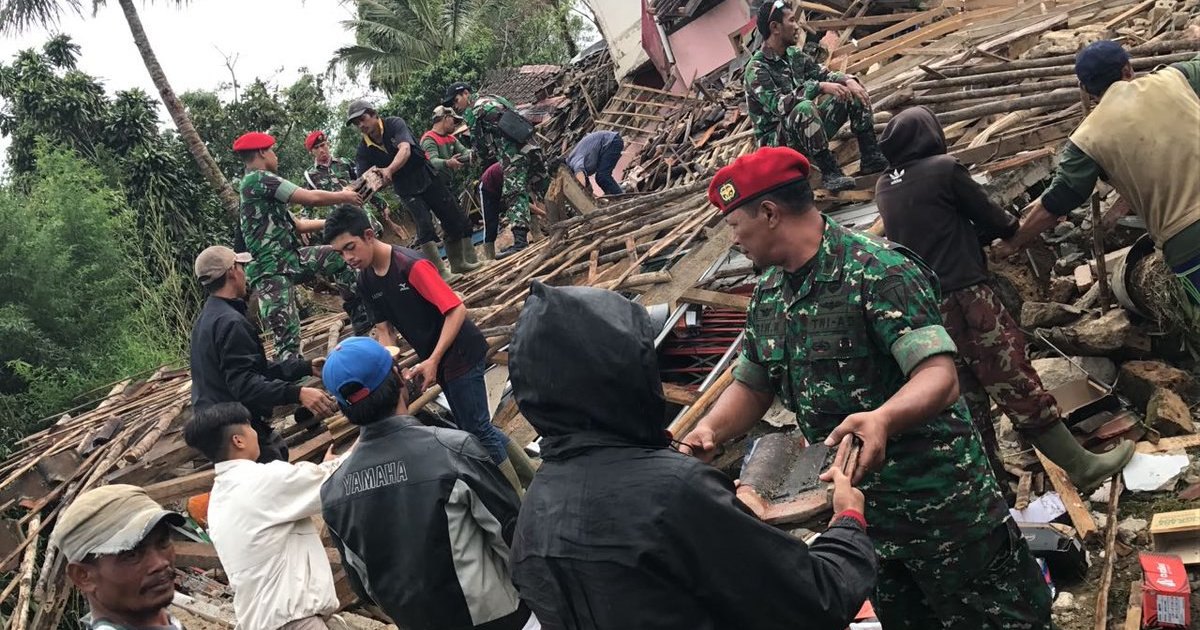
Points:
x=679 y=394
x=716 y=299
x=884 y=51
x=1169 y=444
x=866 y=20
x=203 y=556
x=882 y=34
x=1133 y=615
x=1081 y=518
x=1110 y=555
x=1108 y=26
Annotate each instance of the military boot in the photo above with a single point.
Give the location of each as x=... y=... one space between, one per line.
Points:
x=454 y=255
x=431 y=252
x=520 y=242
x=489 y=251
x=871 y=159
x=1086 y=469
x=832 y=177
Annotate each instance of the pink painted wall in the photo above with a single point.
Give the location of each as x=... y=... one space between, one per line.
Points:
x=703 y=44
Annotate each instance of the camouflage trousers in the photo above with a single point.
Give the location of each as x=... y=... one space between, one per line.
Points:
x=516 y=188
x=810 y=124
x=991 y=584
x=993 y=365
x=277 y=294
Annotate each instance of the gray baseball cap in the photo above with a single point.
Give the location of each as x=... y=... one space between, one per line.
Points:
x=216 y=261
x=356 y=109
x=108 y=520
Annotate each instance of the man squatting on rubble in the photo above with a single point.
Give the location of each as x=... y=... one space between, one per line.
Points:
x=930 y=204
x=421 y=516
x=260 y=522
x=597 y=155
x=389 y=145
x=117 y=544
x=796 y=102
x=272 y=236
x=334 y=174
x=1143 y=137
x=619 y=531
x=845 y=330
x=228 y=361
x=522 y=163
x=405 y=294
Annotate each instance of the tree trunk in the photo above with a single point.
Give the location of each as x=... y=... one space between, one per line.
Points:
x=183 y=122
x=564 y=27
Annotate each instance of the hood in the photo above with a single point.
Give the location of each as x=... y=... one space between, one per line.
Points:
x=913 y=134
x=584 y=370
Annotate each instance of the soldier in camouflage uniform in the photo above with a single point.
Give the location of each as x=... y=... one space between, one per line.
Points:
x=333 y=174
x=524 y=170
x=272 y=236
x=845 y=330
x=784 y=88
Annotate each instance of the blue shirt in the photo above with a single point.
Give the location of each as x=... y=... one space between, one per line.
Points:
x=586 y=155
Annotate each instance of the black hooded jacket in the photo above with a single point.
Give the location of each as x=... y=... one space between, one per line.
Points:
x=930 y=204
x=619 y=531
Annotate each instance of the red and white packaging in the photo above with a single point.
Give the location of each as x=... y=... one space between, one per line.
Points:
x=1165 y=592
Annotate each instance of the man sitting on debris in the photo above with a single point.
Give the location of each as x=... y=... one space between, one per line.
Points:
x=845 y=330
x=272 y=236
x=117 y=544
x=618 y=530
x=334 y=174
x=597 y=155
x=406 y=295
x=500 y=132
x=1143 y=137
x=228 y=361
x=422 y=517
x=931 y=205
x=388 y=144
x=783 y=90
x=260 y=522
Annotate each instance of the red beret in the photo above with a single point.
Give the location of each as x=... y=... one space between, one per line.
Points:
x=253 y=141
x=755 y=174
x=313 y=139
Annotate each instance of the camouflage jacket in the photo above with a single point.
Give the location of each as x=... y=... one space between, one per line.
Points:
x=774 y=85
x=338 y=174
x=268 y=226
x=840 y=336
x=489 y=141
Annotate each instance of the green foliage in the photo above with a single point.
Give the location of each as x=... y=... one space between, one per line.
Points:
x=74 y=312
x=415 y=99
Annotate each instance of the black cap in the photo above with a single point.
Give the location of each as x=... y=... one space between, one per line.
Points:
x=452 y=91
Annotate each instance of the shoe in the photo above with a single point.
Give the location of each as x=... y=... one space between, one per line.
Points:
x=489 y=251
x=1086 y=469
x=454 y=255
x=520 y=242
x=431 y=252
x=469 y=252
x=871 y=159
x=832 y=177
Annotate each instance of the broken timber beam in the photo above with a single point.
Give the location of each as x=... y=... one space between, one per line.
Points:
x=1081 y=518
x=716 y=299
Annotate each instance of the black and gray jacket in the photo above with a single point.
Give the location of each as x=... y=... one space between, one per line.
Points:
x=423 y=520
x=618 y=531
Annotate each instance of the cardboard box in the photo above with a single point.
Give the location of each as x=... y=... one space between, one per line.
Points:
x=1165 y=592
x=1177 y=534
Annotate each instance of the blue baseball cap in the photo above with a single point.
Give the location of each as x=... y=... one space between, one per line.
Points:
x=360 y=361
x=1099 y=65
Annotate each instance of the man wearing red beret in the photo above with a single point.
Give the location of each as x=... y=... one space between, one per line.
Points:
x=272 y=236
x=845 y=330
x=333 y=174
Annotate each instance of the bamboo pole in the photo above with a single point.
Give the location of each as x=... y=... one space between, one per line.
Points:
x=20 y=616
x=1110 y=552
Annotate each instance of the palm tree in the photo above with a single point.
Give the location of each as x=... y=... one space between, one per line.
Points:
x=398 y=37
x=21 y=14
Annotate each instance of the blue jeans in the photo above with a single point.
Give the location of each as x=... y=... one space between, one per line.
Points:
x=467 y=395
x=607 y=163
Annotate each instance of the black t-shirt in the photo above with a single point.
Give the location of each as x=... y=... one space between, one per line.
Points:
x=414 y=299
x=416 y=174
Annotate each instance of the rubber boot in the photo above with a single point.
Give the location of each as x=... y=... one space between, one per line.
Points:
x=506 y=469
x=832 y=177
x=489 y=251
x=454 y=256
x=521 y=463
x=1086 y=469
x=431 y=252
x=469 y=256
x=520 y=242
x=871 y=159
